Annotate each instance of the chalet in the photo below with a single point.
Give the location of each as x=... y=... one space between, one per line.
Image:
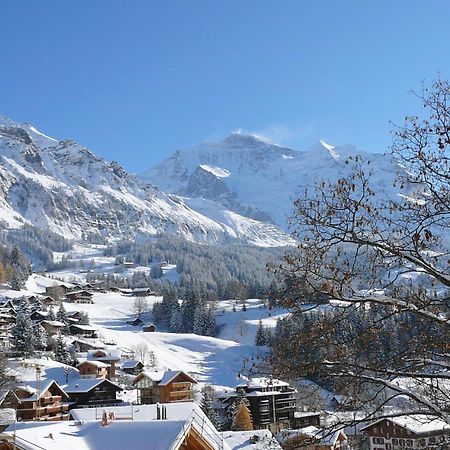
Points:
x=38 y=316
x=80 y=296
x=413 y=431
x=141 y=292
x=48 y=301
x=149 y=328
x=304 y=419
x=132 y=367
x=93 y=392
x=57 y=291
x=85 y=345
x=52 y=327
x=271 y=402
x=110 y=356
x=47 y=401
x=93 y=369
x=135 y=322
x=83 y=330
x=76 y=315
x=164 y=387
x=313 y=438
x=4 y=332
x=122 y=427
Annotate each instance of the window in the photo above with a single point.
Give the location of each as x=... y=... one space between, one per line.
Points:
x=388 y=446
x=401 y=442
x=408 y=442
x=394 y=441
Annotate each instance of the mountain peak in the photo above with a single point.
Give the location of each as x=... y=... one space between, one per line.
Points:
x=241 y=137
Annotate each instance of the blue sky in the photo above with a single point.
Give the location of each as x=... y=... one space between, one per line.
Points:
x=135 y=80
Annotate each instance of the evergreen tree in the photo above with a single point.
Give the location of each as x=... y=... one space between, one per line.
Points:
x=176 y=321
x=40 y=338
x=61 y=352
x=23 y=334
x=84 y=318
x=51 y=314
x=21 y=269
x=261 y=336
x=243 y=418
x=207 y=405
x=61 y=316
x=230 y=416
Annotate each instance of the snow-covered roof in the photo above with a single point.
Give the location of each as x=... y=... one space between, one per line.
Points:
x=301 y=414
x=83 y=327
x=110 y=354
x=171 y=374
x=250 y=440
x=155 y=435
x=130 y=364
x=99 y=364
x=86 y=384
x=324 y=437
x=36 y=391
x=419 y=423
x=53 y=323
x=262 y=382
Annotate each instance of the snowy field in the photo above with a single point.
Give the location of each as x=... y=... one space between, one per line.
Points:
x=221 y=360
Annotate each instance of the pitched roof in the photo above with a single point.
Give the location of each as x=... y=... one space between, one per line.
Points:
x=130 y=364
x=111 y=354
x=32 y=388
x=419 y=423
x=99 y=364
x=171 y=374
x=82 y=385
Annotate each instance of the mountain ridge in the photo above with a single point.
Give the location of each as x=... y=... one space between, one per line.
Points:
x=64 y=187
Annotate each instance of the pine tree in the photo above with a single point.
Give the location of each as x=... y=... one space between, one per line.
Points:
x=51 y=314
x=207 y=405
x=230 y=416
x=261 y=337
x=243 y=419
x=176 y=321
x=61 y=316
x=23 y=334
x=61 y=352
x=84 y=318
x=40 y=338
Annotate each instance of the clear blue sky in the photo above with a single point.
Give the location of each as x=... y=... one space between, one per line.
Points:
x=134 y=80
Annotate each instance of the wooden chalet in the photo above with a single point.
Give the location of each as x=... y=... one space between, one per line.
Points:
x=410 y=431
x=110 y=356
x=38 y=316
x=48 y=301
x=93 y=369
x=304 y=419
x=149 y=328
x=85 y=345
x=79 y=296
x=132 y=366
x=5 y=327
x=52 y=327
x=141 y=292
x=164 y=387
x=135 y=322
x=83 y=330
x=44 y=401
x=93 y=392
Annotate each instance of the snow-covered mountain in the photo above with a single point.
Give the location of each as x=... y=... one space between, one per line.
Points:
x=257 y=178
x=62 y=186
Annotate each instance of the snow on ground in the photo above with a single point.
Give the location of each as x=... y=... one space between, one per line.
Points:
x=216 y=360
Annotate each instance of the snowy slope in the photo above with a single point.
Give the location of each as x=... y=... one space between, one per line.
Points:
x=64 y=187
x=254 y=177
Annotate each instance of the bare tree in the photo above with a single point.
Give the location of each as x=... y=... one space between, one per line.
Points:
x=384 y=265
x=140 y=306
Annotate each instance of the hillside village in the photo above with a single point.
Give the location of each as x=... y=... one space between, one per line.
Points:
x=97 y=371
